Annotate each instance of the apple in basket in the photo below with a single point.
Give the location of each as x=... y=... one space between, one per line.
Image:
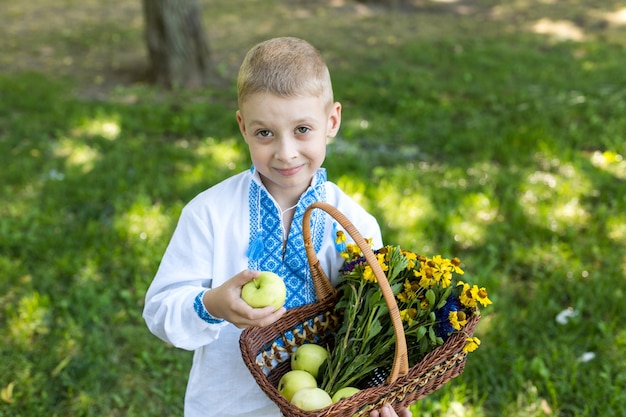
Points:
x=295 y=380
x=268 y=289
x=344 y=393
x=308 y=399
x=309 y=357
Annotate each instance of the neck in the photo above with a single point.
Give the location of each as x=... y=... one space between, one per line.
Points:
x=286 y=198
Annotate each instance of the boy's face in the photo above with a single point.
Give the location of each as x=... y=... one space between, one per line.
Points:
x=287 y=139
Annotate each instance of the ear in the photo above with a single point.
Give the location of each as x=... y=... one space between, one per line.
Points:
x=241 y=123
x=334 y=119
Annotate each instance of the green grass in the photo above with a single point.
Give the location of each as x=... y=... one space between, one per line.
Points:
x=464 y=136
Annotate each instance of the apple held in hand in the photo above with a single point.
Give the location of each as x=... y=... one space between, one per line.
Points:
x=293 y=381
x=344 y=393
x=268 y=289
x=308 y=399
x=309 y=357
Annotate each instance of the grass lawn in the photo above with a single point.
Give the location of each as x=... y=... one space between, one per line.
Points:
x=494 y=131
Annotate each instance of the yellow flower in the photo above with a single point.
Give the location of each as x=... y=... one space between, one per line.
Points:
x=456 y=266
x=412 y=257
x=442 y=270
x=408 y=315
x=427 y=279
x=471 y=295
x=481 y=296
x=457 y=319
x=381 y=261
x=352 y=251
x=408 y=294
x=471 y=344
x=438 y=260
x=434 y=268
x=446 y=279
x=467 y=295
x=368 y=274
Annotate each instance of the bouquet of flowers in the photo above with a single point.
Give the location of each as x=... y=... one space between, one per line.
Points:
x=433 y=304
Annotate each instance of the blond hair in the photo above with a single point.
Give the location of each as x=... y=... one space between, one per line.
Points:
x=286 y=67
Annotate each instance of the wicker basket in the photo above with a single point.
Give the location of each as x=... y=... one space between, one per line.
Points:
x=266 y=351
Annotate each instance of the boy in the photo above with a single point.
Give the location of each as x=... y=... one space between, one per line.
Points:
x=252 y=222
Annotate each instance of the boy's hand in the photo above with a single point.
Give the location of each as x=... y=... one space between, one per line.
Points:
x=225 y=302
x=388 y=411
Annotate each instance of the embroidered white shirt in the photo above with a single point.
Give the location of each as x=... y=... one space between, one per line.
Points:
x=208 y=247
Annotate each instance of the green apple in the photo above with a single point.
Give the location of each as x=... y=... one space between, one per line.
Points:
x=344 y=393
x=268 y=289
x=293 y=381
x=308 y=399
x=309 y=357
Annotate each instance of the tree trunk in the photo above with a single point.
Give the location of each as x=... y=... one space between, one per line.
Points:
x=178 y=48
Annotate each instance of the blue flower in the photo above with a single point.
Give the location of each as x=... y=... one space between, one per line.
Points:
x=444 y=328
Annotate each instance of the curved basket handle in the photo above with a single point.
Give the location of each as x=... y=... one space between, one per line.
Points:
x=324 y=287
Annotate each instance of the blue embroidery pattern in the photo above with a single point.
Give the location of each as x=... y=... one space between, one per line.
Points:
x=266 y=232
x=202 y=312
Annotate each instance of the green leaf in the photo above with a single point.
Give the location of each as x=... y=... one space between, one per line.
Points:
x=397 y=288
x=444 y=298
x=430 y=297
x=374 y=329
x=397 y=263
x=374 y=299
x=431 y=335
x=421 y=332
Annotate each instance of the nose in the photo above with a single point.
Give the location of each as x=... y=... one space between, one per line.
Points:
x=286 y=148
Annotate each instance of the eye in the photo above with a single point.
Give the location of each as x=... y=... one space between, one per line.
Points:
x=263 y=133
x=301 y=130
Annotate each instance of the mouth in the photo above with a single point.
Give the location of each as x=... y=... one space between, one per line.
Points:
x=287 y=172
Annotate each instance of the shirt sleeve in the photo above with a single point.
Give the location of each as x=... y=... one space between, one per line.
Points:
x=174 y=310
x=201 y=310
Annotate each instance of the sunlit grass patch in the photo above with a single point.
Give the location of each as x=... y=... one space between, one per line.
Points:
x=144 y=221
x=552 y=195
x=77 y=154
x=213 y=160
x=470 y=225
x=407 y=212
x=529 y=403
x=456 y=400
x=105 y=126
x=610 y=162
x=30 y=318
x=355 y=188
x=541 y=258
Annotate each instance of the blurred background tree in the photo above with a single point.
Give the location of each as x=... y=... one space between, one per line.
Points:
x=178 y=48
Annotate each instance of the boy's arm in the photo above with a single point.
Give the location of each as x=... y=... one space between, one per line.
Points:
x=172 y=315
x=183 y=306
x=171 y=309
x=169 y=316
